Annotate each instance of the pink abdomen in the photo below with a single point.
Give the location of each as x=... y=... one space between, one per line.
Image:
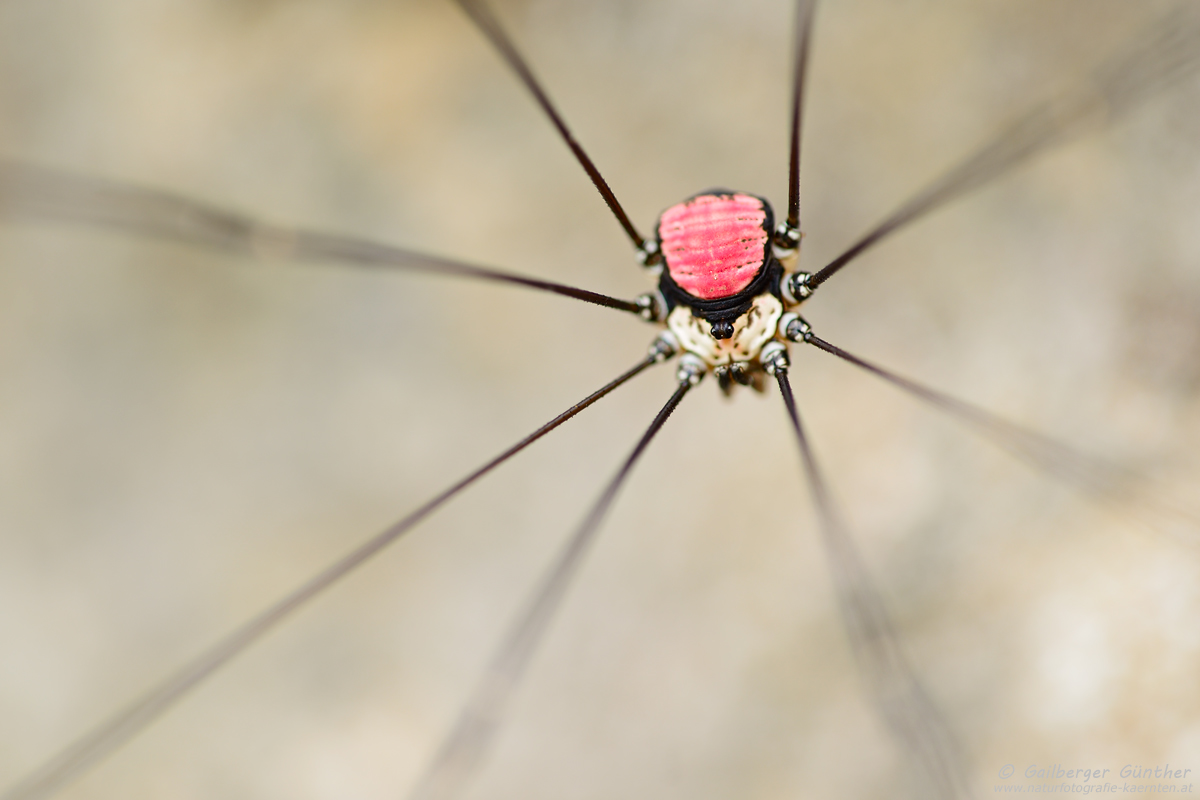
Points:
x=714 y=244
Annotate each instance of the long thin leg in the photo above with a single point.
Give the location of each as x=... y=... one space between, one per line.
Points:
x=464 y=749
x=1102 y=481
x=790 y=234
x=1162 y=56
x=28 y=190
x=487 y=23
x=118 y=729
x=891 y=680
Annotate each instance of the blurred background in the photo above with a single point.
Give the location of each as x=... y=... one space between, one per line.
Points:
x=185 y=436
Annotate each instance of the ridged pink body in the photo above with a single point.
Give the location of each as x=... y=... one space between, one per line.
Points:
x=714 y=244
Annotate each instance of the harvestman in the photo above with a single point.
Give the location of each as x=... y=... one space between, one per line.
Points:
x=732 y=315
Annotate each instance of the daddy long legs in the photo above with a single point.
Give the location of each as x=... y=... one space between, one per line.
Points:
x=192 y=434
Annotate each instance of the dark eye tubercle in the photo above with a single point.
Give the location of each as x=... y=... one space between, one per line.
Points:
x=722 y=329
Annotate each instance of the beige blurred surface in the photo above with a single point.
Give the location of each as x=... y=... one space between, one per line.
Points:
x=184 y=437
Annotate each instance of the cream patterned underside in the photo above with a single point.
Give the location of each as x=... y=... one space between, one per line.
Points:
x=751 y=331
